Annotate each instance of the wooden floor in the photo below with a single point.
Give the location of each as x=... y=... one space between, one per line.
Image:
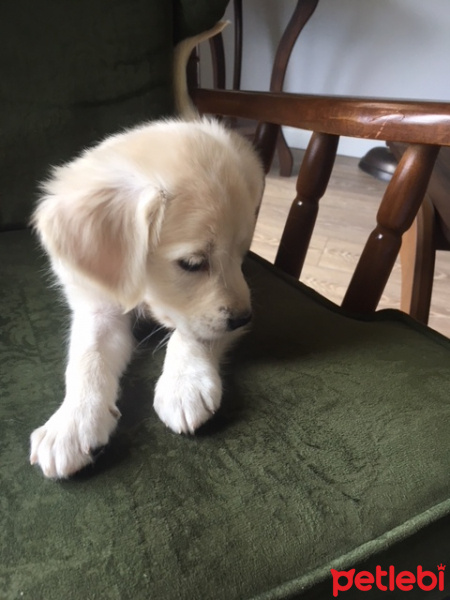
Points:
x=346 y=217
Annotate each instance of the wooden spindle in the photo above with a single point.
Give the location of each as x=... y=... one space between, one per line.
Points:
x=312 y=182
x=396 y=214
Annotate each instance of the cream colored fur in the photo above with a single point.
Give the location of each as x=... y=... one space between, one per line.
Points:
x=159 y=219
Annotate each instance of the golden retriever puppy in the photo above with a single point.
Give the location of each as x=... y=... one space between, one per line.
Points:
x=157 y=218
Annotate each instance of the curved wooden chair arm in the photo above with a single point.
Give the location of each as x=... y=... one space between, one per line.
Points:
x=424 y=126
x=379 y=119
x=299 y=18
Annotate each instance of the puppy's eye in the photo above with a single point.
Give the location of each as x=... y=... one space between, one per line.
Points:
x=193 y=264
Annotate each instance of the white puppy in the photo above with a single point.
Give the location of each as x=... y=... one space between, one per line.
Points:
x=157 y=218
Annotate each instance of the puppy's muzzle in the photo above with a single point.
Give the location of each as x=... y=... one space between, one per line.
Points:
x=239 y=321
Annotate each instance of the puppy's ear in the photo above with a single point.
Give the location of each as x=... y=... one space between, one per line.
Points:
x=103 y=233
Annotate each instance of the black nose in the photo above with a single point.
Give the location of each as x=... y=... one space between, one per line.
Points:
x=239 y=321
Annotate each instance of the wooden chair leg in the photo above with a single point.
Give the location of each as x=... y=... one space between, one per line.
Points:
x=418 y=255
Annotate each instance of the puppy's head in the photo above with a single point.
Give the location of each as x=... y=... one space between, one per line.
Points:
x=162 y=216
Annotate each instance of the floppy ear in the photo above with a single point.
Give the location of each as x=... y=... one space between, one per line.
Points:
x=103 y=233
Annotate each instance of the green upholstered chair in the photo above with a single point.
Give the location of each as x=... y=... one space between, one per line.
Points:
x=332 y=448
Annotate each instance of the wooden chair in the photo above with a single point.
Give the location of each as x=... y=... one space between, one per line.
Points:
x=330 y=117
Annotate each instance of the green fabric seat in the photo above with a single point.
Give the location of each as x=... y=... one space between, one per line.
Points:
x=331 y=450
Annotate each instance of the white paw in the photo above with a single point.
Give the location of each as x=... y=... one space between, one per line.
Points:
x=63 y=445
x=187 y=398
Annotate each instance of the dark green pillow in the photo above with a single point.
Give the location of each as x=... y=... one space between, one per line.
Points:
x=75 y=71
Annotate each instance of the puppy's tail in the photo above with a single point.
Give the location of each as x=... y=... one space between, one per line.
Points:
x=182 y=52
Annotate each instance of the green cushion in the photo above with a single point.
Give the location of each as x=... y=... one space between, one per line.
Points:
x=73 y=72
x=332 y=449
x=193 y=16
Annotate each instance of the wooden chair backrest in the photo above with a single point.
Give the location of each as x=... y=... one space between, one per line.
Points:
x=424 y=126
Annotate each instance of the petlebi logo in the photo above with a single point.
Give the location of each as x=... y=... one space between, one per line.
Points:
x=388 y=580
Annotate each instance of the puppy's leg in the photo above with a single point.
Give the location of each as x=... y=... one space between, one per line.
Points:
x=189 y=390
x=100 y=348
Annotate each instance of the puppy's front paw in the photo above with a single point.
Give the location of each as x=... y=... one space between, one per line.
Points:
x=64 y=444
x=184 y=400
